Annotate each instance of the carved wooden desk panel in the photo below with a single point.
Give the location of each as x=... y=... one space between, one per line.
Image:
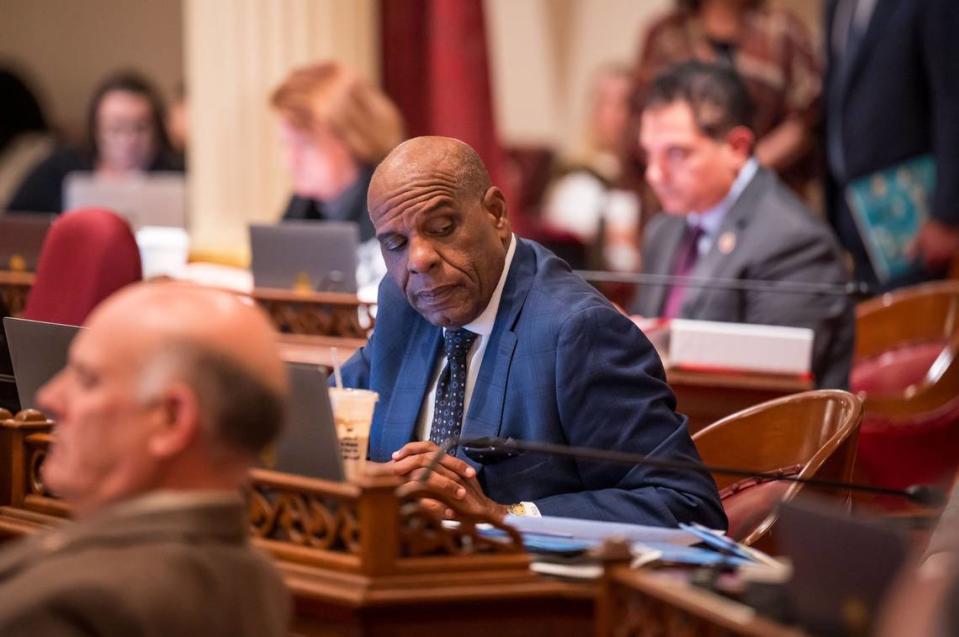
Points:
x=637 y=603
x=14 y=289
x=361 y=558
x=313 y=313
x=316 y=313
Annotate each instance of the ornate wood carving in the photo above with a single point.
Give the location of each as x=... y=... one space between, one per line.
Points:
x=316 y=313
x=304 y=515
x=423 y=532
x=37 y=446
x=315 y=514
x=14 y=290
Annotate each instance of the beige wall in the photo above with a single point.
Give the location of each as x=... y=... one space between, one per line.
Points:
x=67 y=46
x=543 y=53
x=237 y=175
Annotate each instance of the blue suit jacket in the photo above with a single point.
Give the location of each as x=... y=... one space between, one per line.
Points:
x=563 y=366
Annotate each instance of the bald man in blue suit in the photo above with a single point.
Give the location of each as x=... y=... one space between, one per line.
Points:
x=545 y=358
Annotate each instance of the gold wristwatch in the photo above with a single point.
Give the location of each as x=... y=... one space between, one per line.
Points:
x=516 y=509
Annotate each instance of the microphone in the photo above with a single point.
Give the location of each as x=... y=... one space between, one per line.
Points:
x=493 y=450
x=854 y=289
x=448 y=444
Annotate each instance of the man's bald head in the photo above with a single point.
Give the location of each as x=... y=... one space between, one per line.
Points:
x=156 y=315
x=170 y=386
x=432 y=155
x=442 y=227
x=219 y=343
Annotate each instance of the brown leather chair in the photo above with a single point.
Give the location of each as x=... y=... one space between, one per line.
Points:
x=808 y=435
x=907 y=369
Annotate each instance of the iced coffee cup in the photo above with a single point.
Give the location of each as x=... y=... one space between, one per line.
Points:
x=353 y=414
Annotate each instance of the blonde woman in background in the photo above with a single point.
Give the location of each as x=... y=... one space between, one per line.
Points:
x=335 y=127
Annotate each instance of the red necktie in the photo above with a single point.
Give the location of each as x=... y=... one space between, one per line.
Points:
x=687 y=252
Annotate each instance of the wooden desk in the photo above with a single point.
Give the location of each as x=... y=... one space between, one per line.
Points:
x=365 y=559
x=633 y=603
x=707 y=396
x=360 y=558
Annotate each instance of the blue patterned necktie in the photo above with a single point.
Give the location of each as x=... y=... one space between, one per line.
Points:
x=451 y=388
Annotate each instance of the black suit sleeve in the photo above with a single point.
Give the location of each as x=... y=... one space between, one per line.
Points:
x=940 y=41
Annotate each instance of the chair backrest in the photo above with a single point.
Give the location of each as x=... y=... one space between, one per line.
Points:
x=810 y=435
x=907 y=348
x=907 y=370
x=87 y=255
x=917 y=314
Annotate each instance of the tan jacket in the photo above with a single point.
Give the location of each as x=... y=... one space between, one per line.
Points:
x=165 y=564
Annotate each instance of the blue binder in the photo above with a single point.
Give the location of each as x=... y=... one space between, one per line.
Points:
x=889 y=206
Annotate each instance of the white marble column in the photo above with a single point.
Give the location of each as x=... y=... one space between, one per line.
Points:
x=236 y=51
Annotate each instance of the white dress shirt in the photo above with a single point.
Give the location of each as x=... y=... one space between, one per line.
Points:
x=482 y=326
x=710 y=220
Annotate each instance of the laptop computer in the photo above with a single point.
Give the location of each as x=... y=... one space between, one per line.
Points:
x=842 y=565
x=21 y=237
x=305 y=255
x=308 y=445
x=154 y=199
x=38 y=350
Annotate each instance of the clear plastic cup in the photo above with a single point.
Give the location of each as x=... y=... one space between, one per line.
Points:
x=353 y=415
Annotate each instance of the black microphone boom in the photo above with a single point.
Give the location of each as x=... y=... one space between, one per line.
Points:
x=493 y=450
x=855 y=289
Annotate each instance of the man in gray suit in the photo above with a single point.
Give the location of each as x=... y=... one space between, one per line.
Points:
x=729 y=218
x=159 y=416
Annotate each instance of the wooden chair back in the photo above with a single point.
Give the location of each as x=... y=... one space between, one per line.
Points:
x=921 y=313
x=811 y=435
x=926 y=314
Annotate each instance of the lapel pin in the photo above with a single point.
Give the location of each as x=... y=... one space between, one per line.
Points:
x=727 y=242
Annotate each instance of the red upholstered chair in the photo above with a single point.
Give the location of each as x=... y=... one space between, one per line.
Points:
x=907 y=369
x=807 y=435
x=87 y=255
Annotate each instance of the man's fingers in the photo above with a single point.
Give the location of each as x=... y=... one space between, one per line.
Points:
x=414 y=448
x=441 y=483
x=421 y=454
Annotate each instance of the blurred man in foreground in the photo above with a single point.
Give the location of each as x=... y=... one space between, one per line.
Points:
x=159 y=416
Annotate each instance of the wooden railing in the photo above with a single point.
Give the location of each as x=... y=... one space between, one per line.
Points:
x=311 y=313
x=316 y=313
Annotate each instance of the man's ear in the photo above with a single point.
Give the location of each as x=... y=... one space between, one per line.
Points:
x=178 y=414
x=494 y=203
x=740 y=141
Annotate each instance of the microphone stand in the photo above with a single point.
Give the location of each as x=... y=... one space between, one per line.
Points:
x=854 y=289
x=492 y=450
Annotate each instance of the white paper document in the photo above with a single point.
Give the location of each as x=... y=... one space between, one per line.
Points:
x=593 y=530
